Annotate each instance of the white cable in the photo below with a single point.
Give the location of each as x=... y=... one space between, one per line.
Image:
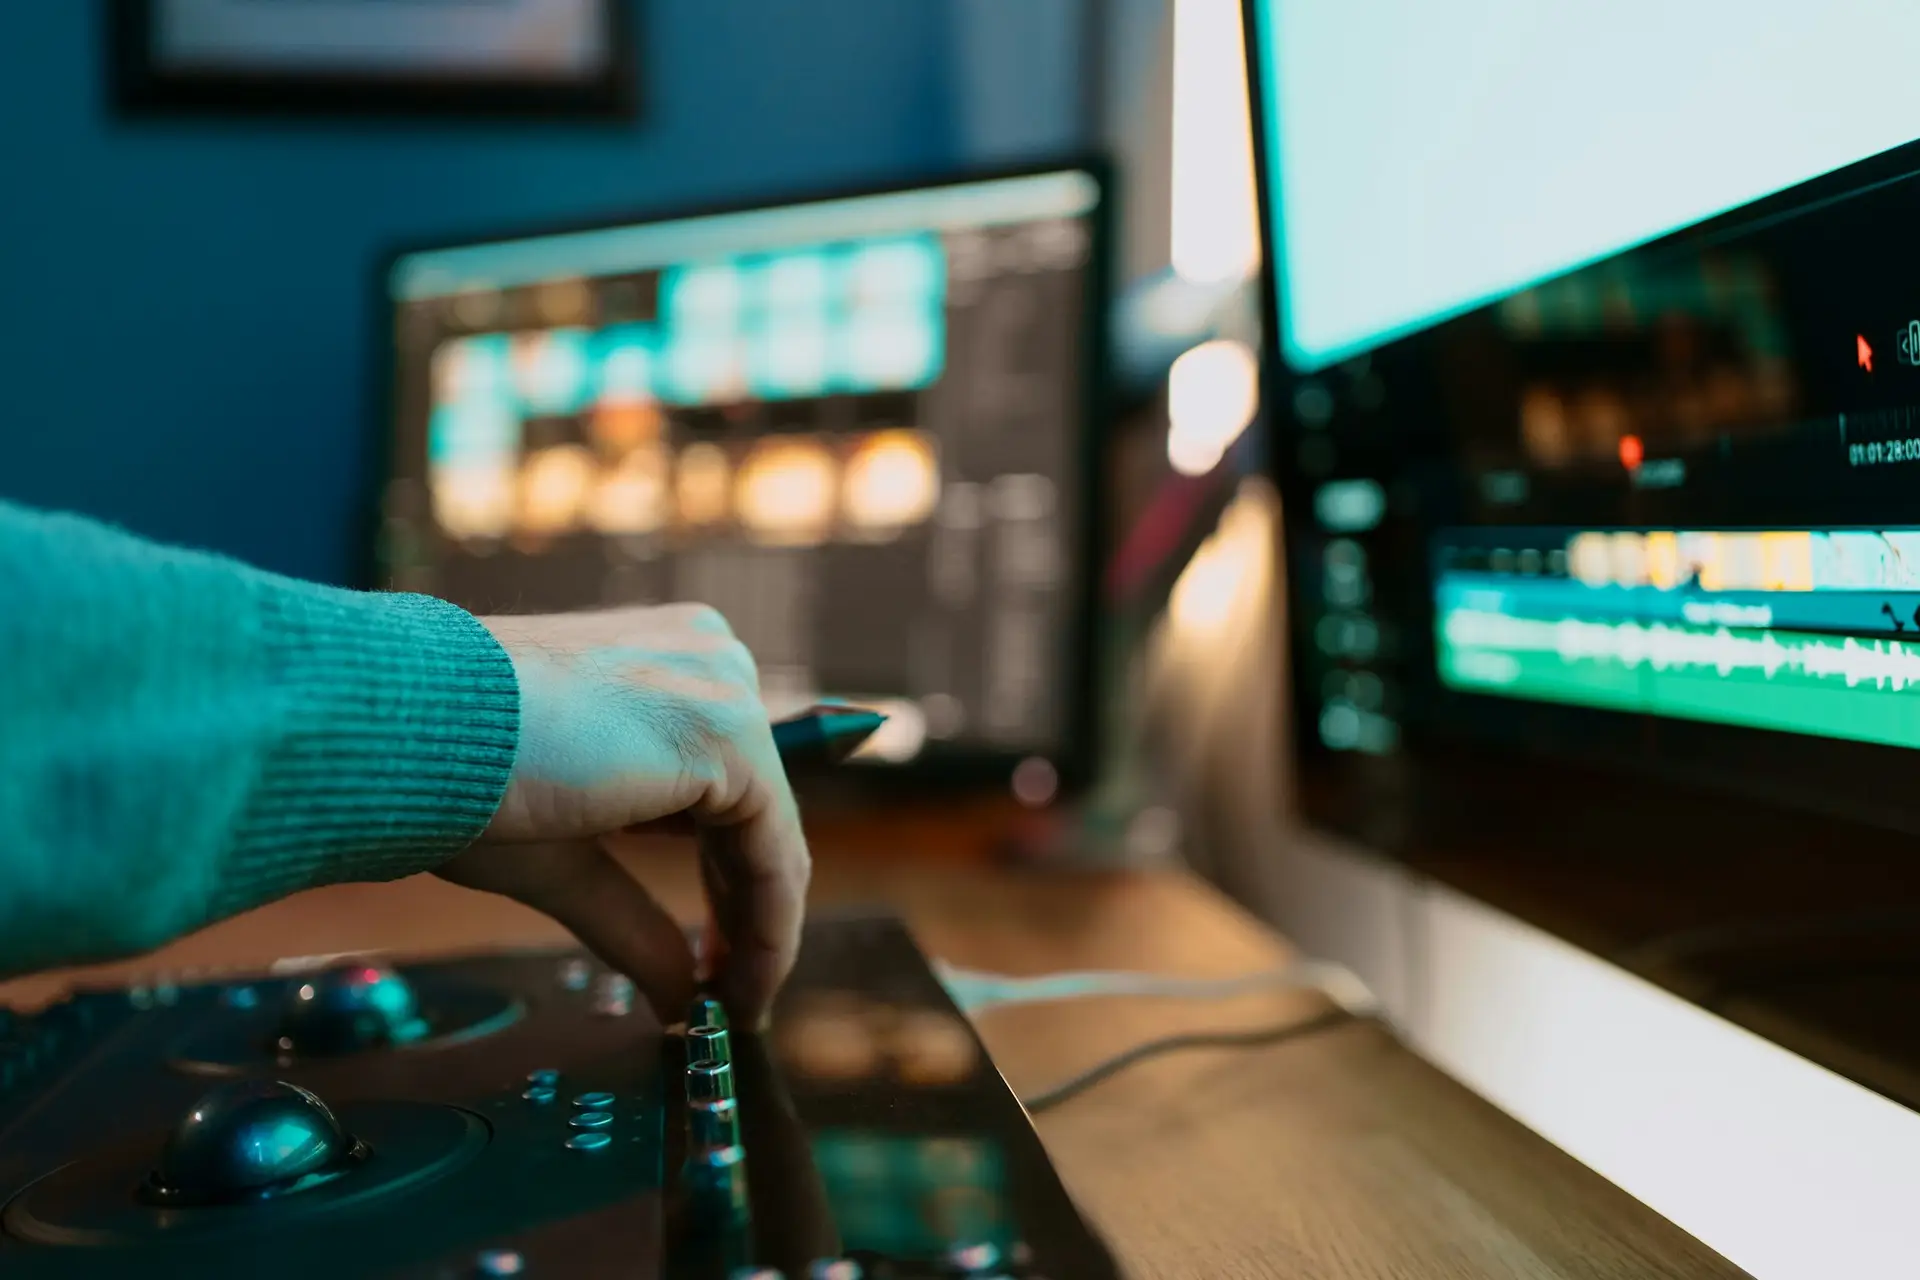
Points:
x=974 y=991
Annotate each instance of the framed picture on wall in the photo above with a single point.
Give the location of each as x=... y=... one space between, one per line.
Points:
x=513 y=58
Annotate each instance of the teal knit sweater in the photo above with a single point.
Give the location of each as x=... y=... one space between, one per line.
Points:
x=183 y=737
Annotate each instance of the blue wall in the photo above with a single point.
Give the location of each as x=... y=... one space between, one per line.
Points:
x=184 y=320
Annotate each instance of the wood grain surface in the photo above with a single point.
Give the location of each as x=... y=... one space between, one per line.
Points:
x=1340 y=1156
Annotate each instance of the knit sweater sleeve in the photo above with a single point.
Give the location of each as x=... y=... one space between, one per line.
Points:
x=183 y=737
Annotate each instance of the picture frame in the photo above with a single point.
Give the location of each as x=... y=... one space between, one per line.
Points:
x=512 y=59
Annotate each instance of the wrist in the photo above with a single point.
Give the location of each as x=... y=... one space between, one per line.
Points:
x=400 y=726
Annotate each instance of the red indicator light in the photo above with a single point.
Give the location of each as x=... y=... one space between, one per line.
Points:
x=1862 y=352
x=1631 y=452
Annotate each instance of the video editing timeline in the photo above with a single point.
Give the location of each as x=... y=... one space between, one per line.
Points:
x=1800 y=630
x=855 y=427
x=1600 y=388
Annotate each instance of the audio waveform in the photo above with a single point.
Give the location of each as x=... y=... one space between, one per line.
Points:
x=1882 y=664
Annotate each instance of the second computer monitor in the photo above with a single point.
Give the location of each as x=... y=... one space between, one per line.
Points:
x=860 y=427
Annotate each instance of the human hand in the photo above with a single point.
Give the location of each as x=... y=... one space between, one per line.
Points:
x=634 y=718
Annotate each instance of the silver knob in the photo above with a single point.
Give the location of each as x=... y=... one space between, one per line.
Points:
x=708 y=1081
x=709 y=1042
x=714 y=1123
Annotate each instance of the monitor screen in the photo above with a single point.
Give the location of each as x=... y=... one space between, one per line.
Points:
x=1650 y=519
x=1430 y=157
x=858 y=427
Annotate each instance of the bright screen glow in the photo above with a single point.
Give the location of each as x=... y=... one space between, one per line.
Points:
x=1432 y=156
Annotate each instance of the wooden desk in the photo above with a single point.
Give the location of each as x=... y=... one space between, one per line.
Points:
x=1340 y=1156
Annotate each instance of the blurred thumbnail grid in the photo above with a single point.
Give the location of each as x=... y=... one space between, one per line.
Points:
x=543 y=431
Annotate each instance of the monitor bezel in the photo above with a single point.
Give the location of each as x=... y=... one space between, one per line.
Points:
x=1076 y=759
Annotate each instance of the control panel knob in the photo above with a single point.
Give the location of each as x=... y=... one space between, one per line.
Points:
x=708 y=1081
x=349 y=1010
x=705 y=1041
x=249 y=1140
x=714 y=1122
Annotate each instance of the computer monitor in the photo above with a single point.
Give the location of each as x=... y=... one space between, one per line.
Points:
x=1595 y=375
x=861 y=427
x=1593 y=385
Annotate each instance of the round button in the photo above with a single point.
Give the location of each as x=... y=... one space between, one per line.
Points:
x=588 y=1141
x=545 y=1075
x=596 y=1101
x=539 y=1094
x=835 y=1269
x=591 y=1119
x=495 y=1264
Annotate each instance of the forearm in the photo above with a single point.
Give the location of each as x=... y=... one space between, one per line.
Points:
x=182 y=738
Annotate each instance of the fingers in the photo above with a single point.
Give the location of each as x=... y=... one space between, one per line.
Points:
x=635 y=716
x=583 y=887
x=755 y=864
x=755 y=904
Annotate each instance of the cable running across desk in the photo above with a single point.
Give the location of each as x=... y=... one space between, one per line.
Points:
x=974 y=991
x=1075 y=1085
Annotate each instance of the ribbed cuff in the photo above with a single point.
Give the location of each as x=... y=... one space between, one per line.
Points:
x=404 y=715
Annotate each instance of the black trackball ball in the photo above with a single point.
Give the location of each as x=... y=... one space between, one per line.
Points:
x=349 y=1010
x=249 y=1140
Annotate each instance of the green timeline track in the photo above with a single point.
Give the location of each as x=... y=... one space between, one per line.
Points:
x=1826 y=686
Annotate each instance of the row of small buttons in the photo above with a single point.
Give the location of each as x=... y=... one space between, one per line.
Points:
x=591 y=1115
x=591 y=1110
